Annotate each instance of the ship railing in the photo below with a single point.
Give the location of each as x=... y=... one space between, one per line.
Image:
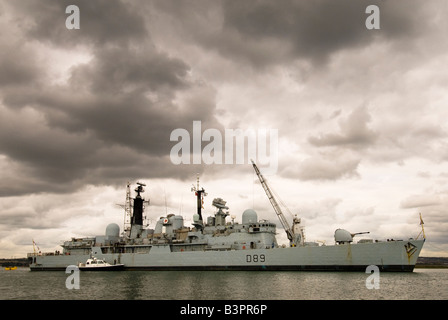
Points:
x=34 y=254
x=80 y=246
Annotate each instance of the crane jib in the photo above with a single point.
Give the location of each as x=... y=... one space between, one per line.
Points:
x=277 y=209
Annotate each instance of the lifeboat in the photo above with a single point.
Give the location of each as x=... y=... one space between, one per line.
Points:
x=95 y=264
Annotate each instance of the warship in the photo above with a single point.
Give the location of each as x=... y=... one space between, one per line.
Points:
x=217 y=244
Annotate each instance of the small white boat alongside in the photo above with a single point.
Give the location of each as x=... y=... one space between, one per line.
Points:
x=95 y=264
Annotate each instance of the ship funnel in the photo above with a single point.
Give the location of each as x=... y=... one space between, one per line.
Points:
x=137 y=217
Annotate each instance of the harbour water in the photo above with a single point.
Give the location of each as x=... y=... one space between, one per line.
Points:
x=422 y=284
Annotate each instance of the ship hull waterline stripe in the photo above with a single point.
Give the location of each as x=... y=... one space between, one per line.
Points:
x=386 y=268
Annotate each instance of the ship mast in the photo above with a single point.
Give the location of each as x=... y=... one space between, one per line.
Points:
x=295 y=235
x=127 y=206
x=200 y=194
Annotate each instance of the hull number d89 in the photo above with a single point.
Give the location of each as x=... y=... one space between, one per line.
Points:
x=255 y=258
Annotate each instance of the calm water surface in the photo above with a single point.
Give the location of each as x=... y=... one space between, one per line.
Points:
x=422 y=284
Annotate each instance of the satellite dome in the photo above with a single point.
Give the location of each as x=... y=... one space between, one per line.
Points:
x=250 y=216
x=113 y=230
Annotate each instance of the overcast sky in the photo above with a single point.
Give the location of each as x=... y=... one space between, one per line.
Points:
x=361 y=114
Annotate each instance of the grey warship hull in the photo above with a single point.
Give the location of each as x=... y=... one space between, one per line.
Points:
x=387 y=256
x=216 y=244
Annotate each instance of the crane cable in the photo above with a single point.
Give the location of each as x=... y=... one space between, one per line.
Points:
x=280 y=201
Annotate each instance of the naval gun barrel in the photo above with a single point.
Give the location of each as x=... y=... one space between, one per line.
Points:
x=354 y=234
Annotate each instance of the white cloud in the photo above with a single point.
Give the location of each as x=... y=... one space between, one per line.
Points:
x=354 y=131
x=332 y=165
x=418 y=201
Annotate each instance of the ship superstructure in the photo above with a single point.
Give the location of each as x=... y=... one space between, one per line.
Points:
x=215 y=243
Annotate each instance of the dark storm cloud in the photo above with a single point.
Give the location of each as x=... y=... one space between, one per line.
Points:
x=311 y=30
x=103 y=22
x=16 y=68
x=111 y=121
x=133 y=69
